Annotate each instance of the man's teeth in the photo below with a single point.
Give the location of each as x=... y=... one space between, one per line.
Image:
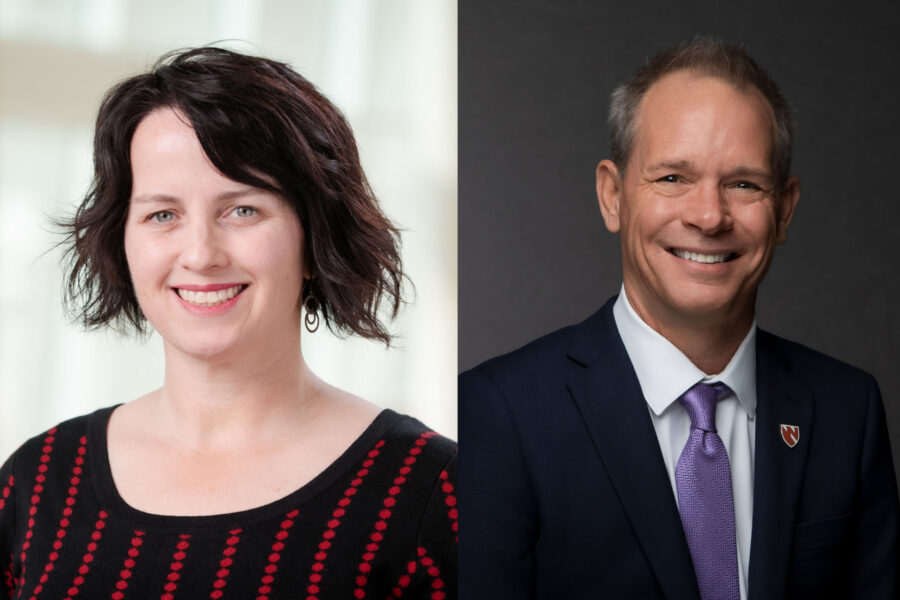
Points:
x=209 y=298
x=700 y=258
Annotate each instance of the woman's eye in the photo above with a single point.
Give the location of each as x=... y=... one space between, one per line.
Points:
x=244 y=211
x=163 y=216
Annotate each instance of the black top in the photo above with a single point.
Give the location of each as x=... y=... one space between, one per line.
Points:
x=378 y=522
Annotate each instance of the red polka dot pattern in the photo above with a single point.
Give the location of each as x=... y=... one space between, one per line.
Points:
x=36 y=498
x=437 y=584
x=225 y=563
x=403 y=582
x=128 y=566
x=365 y=566
x=88 y=557
x=6 y=491
x=450 y=502
x=10 y=582
x=72 y=492
x=272 y=567
x=175 y=566
x=431 y=569
x=362 y=521
x=8 y=579
x=315 y=578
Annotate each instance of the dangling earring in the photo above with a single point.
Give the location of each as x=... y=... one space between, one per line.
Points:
x=311 y=305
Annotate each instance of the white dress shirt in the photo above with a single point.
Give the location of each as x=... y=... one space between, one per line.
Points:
x=664 y=374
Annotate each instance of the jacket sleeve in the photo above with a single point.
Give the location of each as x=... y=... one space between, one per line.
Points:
x=875 y=559
x=497 y=506
x=7 y=528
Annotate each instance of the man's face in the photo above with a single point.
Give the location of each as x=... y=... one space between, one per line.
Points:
x=696 y=208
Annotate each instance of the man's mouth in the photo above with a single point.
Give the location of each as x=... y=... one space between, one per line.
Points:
x=698 y=257
x=212 y=298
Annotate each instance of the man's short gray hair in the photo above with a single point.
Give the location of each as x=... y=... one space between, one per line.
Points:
x=714 y=58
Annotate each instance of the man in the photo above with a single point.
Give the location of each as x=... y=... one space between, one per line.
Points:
x=666 y=447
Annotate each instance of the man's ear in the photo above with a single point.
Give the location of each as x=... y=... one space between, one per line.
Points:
x=609 y=193
x=785 y=207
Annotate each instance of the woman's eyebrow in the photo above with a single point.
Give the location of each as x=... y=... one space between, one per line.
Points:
x=144 y=198
x=168 y=198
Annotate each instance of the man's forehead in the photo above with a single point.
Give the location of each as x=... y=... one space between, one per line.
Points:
x=687 y=115
x=689 y=83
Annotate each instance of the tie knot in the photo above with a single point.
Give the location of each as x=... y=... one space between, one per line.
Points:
x=700 y=403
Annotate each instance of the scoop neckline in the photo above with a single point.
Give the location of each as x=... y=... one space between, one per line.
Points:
x=115 y=505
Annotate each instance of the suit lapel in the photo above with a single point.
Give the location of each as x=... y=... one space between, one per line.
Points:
x=608 y=396
x=779 y=469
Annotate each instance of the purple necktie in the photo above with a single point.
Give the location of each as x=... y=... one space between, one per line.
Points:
x=703 y=480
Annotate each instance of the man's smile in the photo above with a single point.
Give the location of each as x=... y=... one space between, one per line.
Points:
x=703 y=258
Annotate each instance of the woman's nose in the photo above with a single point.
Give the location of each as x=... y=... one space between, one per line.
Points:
x=203 y=248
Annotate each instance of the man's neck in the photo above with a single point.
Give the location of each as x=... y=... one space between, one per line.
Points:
x=709 y=341
x=709 y=350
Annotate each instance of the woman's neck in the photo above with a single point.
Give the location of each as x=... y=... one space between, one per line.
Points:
x=217 y=405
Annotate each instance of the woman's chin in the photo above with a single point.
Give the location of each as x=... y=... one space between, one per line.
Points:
x=208 y=350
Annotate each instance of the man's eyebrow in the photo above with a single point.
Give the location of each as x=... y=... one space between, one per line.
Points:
x=671 y=165
x=681 y=165
x=168 y=199
x=750 y=172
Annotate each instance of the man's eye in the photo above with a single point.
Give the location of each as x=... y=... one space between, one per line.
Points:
x=669 y=179
x=746 y=185
x=244 y=211
x=163 y=216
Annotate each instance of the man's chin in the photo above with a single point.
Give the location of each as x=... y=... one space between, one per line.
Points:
x=711 y=309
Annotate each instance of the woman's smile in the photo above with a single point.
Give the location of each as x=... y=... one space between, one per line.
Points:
x=214 y=295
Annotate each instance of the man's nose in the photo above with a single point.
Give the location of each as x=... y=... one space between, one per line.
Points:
x=203 y=247
x=707 y=210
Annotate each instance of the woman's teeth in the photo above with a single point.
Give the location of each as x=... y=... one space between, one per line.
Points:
x=209 y=298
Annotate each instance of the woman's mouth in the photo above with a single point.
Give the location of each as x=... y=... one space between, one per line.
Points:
x=211 y=298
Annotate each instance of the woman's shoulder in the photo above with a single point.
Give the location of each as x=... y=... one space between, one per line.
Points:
x=45 y=466
x=404 y=458
x=62 y=438
x=428 y=466
x=422 y=460
x=406 y=433
x=404 y=426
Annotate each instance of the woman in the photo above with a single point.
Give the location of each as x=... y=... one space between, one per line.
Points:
x=228 y=196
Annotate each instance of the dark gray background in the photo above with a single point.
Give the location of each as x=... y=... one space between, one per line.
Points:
x=534 y=82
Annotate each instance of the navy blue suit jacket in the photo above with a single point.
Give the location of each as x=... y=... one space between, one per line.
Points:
x=564 y=493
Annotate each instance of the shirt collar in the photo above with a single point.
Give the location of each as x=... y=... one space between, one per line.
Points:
x=665 y=373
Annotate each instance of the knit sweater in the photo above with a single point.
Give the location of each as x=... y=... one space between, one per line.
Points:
x=380 y=522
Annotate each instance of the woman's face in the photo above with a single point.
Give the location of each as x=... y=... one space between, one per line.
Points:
x=217 y=265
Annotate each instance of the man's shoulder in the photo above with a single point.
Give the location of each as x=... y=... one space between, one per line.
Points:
x=841 y=393
x=549 y=359
x=803 y=362
x=548 y=348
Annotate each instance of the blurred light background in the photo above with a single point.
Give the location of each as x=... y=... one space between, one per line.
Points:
x=389 y=65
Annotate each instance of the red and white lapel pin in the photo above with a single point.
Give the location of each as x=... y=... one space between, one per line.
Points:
x=790 y=434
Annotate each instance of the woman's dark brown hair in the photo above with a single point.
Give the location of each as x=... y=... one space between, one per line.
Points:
x=261 y=124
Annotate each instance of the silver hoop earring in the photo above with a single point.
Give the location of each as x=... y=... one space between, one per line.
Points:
x=311 y=306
